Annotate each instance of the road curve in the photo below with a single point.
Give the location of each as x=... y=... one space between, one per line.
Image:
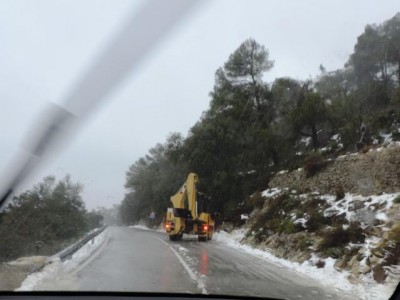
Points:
x=146 y=261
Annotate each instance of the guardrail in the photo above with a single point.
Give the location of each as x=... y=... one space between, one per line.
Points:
x=69 y=251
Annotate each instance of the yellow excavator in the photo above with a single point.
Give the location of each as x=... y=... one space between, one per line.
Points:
x=188 y=213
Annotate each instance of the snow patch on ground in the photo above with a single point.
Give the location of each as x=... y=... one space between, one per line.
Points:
x=283 y=172
x=140 y=227
x=345 y=205
x=370 y=208
x=382 y=216
x=56 y=267
x=271 y=192
x=327 y=276
x=160 y=228
x=244 y=217
x=182 y=249
x=301 y=221
x=305 y=140
x=387 y=138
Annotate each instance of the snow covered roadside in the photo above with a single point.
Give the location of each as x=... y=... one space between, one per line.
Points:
x=56 y=268
x=327 y=276
x=140 y=227
x=143 y=227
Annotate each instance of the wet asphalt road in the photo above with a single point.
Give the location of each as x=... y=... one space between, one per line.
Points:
x=146 y=261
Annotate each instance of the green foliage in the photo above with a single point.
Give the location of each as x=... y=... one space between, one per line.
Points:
x=288 y=227
x=336 y=238
x=345 y=116
x=287 y=94
x=94 y=219
x=303 y=243
x=232 y=212
x=40 y=220
x=257 y=200
x=254 y=128
x=316 y=221
x=311 y=204
x=248 y=62
x=367 y=86
x=152 y=180
x=275 y=217
x=335 y=85
x=375 y=64
x=396 y=136
x=313 y=163
x=309 y=115
x=231 y=147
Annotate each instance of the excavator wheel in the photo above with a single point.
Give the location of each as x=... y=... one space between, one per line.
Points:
x=202 y=238
x=175 y=237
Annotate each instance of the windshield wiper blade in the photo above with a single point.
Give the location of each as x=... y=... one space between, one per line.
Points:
x=140 y=35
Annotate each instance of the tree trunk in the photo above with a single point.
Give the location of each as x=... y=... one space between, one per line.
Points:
x=274 y=157
x=398 y=72
x=314 y=136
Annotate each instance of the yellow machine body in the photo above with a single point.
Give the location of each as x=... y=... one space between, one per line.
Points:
x=184 y=217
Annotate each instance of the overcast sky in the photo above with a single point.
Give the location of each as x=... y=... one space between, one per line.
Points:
x=46 y=45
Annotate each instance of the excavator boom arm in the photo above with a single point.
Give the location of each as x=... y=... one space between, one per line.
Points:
x=184 y=216
x=187 y=193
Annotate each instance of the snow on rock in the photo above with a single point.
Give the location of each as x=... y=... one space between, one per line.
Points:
x=271 y=192
x=347 y=205
x=382 y=216
x=387 y=138
x=247 y=173
x=30 y=260
x=301 y=221
x=306 y=141
x=362 y=209
x=331 y=277
x=231 y=239
x=244 y=217
x=336 y=137
x=56 y=267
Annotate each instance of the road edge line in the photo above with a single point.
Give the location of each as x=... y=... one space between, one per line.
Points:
x=184 y=264
x=193 y=276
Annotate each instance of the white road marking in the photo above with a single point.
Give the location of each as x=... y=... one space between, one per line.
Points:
x=193 y=276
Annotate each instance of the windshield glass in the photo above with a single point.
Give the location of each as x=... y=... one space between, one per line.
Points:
x=246 y=148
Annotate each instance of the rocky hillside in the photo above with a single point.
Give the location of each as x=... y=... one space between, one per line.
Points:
x=373 y=172
x=349 y=211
